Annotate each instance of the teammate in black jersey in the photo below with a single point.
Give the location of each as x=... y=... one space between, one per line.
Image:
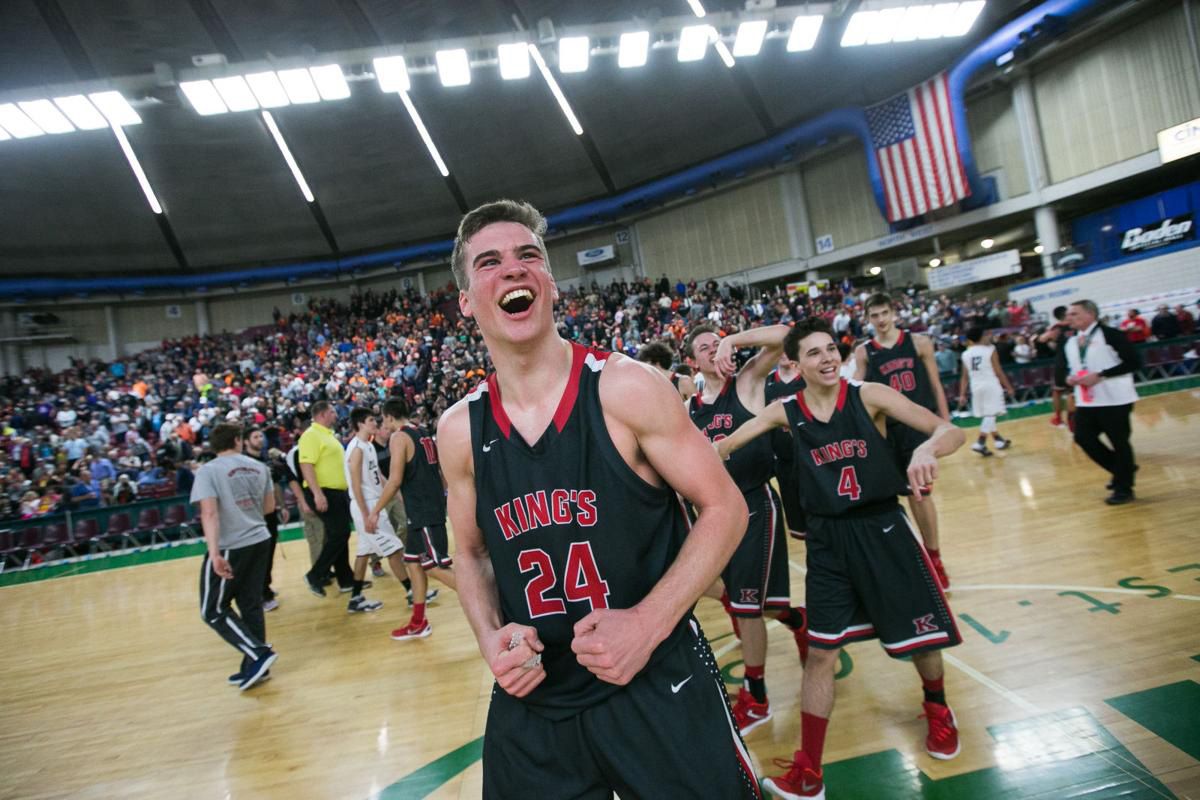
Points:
x=756 y=579
x=575 y=567
x=905 y=361
x=660 y=356
x=784 y=381
x=868 y=573
x=415 y=472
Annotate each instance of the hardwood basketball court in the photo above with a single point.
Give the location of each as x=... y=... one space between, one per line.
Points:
x=1079 y=674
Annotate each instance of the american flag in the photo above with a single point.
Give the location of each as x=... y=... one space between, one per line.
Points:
x=913 y=137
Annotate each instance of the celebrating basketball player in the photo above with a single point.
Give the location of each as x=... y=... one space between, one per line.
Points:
x=575 y=568
x=756 y=579
x=868 y=573
x=905 y=361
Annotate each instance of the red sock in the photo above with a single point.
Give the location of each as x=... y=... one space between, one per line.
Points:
x=755 y=672
x=418 y=613
x=812 y=737
x=935 y=685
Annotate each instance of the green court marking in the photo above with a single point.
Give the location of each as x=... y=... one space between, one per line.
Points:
x=1169 y=711
x=719 y=638
x=99 y=562
x=428 y=778
x=1097 y=605
x=1064 y=754
x=1184 y=568
x=994 y=638
x=1024 y=602
x=1158 y=591
x=1195 y=658
x=727 y=673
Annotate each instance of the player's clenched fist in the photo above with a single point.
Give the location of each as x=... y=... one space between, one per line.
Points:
x=514 y=654
x=614 y=644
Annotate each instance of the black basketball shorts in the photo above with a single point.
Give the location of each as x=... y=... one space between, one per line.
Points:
x=669 y=733
x=756 y=577
x=870 y=577
x=789 y=491
x=428 y=546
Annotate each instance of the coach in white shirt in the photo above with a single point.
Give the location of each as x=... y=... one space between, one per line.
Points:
x=1099 y=362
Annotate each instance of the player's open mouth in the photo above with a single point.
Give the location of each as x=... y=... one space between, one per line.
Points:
x=829 y=371
x=516 y=301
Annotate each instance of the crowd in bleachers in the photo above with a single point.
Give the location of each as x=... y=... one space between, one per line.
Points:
x=104 y=434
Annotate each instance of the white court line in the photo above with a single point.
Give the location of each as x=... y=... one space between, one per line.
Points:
x=998 y=688
x=1051 y=588
x=735 y=642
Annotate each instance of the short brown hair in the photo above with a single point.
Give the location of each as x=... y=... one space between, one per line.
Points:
x=516 y=211
x=657 y=353
x=224 y=437
x=697 y=330
x=801 y=331
x=878 y=299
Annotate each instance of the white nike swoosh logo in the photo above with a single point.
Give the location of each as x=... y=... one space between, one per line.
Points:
x=755 y=715
x=888 y=528
x=487 y=448
x=675 y=687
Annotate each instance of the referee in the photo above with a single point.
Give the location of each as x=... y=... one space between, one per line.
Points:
x=1099 y=362
x=321 y=462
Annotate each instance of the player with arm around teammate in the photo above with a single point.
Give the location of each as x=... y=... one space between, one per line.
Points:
x=905 y=361
x=985 y=378
x=575 y=567
x=869 y=576
x=375 y=535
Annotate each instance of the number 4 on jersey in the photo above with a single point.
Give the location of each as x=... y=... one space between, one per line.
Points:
x=848 y=484
x=583 y=581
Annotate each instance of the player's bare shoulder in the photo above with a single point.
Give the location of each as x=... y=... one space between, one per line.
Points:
x=629 y=388
x=454 y=434
x=922 y=343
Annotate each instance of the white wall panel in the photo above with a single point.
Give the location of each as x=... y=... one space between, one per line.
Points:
x=996 y=141
x=837 y=190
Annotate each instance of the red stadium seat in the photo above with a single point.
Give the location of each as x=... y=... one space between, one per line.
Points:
x=120 y=528
x=87 y=533
x=176 y=522
x=150 y=525
x=56 y=537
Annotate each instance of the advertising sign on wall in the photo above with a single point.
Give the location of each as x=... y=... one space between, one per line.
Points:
x=1158 y=234
x=993 y=265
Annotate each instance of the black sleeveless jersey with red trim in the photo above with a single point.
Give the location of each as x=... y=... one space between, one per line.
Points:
x=569 y=527
x=900 y=367
x=424 y=494
x=777 y=387
x=845 y=463
x=749 y=467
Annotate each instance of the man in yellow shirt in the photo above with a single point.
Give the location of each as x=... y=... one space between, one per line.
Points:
x=321 y=458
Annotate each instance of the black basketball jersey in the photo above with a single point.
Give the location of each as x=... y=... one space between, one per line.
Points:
x=569 y=527
x=777 y=387
x=749 y=467
x=384 y=456
x=844 y=464
x=424 y=495
x=900 y=367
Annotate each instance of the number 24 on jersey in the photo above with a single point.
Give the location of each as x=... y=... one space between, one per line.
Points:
x=581 y=580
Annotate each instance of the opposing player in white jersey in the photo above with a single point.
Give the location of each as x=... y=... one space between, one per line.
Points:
x=988 y=384
x=375 y=534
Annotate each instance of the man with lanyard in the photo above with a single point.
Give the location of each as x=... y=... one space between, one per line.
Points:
x=906 y=362
x=1099 y=363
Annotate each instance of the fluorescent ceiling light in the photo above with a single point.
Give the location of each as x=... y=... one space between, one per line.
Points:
x=424 y=133
x=935 y=262
x=856 y=30
x=723 y=51
x=804 y=33
x=330 y=81
x=964 y=18
x=988 y=244
x=299 y=86
x=913 y=24
x=46 y=116
x=267 y=89
x=236 y=93
x=697 y=8
x=453 y=67
x=136 y=166
x=204 y=97
x=875 y=270
x=15 y=122
x=573 y=53
x=555 y=90
x=287 y=155
x=939 y=20
x=4 y=137
x=115 y=108
x=749 y=38
x=514 y=61
x=392 y=74
x=81 y=112
x=693 y=42
x=633 y=49
x=883 y=26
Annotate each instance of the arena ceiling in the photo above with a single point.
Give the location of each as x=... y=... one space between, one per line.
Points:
x=70 y=204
